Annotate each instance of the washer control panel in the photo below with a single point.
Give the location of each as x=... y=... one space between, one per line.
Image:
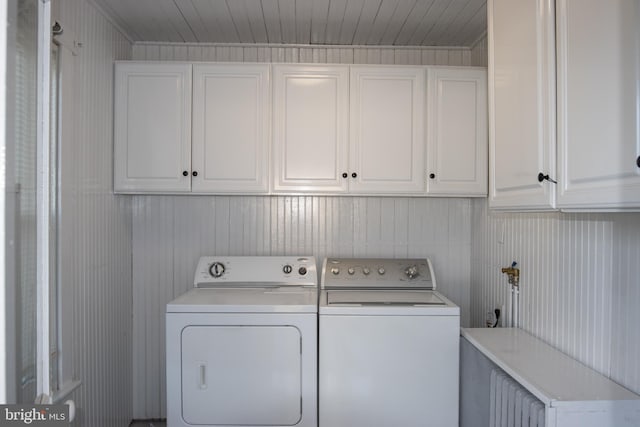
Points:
x=256 y=271
x=385 y=273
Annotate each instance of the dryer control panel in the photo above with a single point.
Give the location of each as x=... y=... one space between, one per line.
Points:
x=256 y=271
x=377 y=273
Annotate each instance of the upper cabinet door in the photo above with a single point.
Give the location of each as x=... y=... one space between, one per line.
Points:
x=152 y=136
x=387 y=129
x=457 y=126
x=521 y=103
x=230 y=128
x=310 y=123
x=598 y=103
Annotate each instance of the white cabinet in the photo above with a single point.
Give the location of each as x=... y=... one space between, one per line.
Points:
x=231 y=105
x=387 y=129
x=521 y=104
x=217 y=128
x=356 y=130
x=310 y=128
x=598 y=104
x=457 y=128
x=152 y=137
x=154 y=126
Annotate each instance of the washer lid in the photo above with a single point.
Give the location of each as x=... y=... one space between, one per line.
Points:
x=368 y=302
x=246 y=300
x=404 y=298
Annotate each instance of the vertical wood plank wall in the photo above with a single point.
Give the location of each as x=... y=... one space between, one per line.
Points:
x=579 y=283
x=95 y=234
x=479 y=53
x=171 y=232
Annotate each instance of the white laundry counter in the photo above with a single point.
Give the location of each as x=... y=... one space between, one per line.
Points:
x=572 y=393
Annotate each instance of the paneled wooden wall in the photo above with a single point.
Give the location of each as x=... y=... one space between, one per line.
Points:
x=95 y=226
x=300 y=53
x=580 y=286
x=172 y=232
x=479 y=53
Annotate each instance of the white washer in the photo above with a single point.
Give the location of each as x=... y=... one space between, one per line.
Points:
x=388 y=345
x=242 y=345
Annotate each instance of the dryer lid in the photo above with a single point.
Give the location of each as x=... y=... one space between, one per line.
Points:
x=246 y=300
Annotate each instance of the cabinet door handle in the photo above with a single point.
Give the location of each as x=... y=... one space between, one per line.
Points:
x=432 y=175
x=194 y=173
x=354 y=175
x=185 y=173
x=543 y=177
x=344 y=175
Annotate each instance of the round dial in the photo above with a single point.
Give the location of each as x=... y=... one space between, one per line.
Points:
x=381 y=271
x=217 y=269
x=366 y=271
x=412 y=272
x=302 y=271
x=351 y=271
x=335 y=270
x=287 y=269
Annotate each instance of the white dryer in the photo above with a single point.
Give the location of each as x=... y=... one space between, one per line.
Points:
x=388 y=346
x=242 y=345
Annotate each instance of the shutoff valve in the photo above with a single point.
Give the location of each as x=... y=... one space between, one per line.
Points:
x=513 y=273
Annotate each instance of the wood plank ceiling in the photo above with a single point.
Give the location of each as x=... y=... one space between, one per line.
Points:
x=332 y=22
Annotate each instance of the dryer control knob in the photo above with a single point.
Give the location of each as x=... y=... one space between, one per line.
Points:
x=351 y=271
x=335 y=270
x=287 y=269
x=217 y=269
x=302 y=271
x=381 y=271
x=366 y=271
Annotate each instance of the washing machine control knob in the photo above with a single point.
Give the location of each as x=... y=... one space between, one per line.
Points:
x=381 y=270
x=335 y=270
x=412 y=272
x=366 y=271
x=217 y=269
x=302 y=271
x=351 y=271
x=287 y=269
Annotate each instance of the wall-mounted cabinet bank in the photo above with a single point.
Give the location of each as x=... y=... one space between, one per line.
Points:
x=564 y=105
x=204 y=128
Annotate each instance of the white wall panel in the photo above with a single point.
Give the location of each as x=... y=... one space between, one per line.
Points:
x=579 y=282
x=300 y=53
x=95 y=234
x=170 y=233
x=480 y=53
